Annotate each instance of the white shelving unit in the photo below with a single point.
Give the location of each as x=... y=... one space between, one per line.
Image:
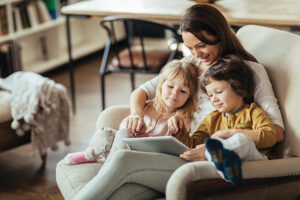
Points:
x=44 y=47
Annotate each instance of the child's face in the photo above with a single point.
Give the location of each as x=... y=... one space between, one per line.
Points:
x=174 y=93
x=222 y=96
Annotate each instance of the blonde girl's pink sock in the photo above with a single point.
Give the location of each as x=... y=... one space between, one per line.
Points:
x=77 y=158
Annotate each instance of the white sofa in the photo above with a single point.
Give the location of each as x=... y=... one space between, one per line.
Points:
x=279 y=52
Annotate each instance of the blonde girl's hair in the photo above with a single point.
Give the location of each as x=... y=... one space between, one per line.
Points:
x=188 y=71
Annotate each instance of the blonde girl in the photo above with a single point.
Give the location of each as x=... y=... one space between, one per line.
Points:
x=175 y=98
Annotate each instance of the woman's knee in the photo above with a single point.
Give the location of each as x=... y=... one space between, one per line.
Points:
x=123 y=157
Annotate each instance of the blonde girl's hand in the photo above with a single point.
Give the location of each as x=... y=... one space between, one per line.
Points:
x=174 y=124
x=135 y=123
x=195 y=154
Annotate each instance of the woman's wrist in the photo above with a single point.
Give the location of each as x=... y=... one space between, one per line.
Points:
x=136 y=115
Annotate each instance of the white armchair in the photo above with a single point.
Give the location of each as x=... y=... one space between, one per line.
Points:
x=278 y=51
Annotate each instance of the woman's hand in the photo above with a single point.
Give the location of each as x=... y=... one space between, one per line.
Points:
x=141 y=135
x=135 y=123
x=224 y=134
x=174 y=124
x=195 y=154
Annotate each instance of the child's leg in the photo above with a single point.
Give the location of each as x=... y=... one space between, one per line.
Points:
x=99 y=147
x=244 y=147
x=232 y=167
x=118 y=143
x=226 y=161
x=228 y=154
x=215 y=152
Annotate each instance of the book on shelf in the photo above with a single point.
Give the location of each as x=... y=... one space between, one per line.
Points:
x=24 y=16
x=33 y=14
x=44 y=49
x=52 y=8
x=5 y=61
x=10 y=59
x=43 y=12
x=3 y=21
x=17 y=19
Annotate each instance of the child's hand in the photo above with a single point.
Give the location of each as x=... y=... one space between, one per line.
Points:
x=141 y=135
x=174 y=124
x=135 y=124
x=224 y=134
x=195 y=154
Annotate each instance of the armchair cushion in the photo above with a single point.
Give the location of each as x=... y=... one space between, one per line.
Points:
x=70 y=178
x=279 y=51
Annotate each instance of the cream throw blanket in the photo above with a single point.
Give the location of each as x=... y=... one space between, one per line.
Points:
x=41 y=106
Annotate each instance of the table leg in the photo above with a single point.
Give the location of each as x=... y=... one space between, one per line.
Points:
x=70 y=65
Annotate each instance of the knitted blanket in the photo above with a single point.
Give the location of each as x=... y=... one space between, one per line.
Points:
x=41 y=106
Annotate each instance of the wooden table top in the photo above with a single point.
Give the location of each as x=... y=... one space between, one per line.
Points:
x=277 y=13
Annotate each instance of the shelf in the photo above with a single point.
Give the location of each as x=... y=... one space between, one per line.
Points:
x=44 y=46
x=40 y=27
x=45 y=65
x=33 y=30
x=5 y=38
x=4 y=2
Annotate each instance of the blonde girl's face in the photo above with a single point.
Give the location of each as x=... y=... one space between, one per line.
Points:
x=223 y=97
x=207 y=53
x=174 y=93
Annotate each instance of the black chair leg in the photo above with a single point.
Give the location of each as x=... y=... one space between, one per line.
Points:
x=103 y=91
x=132 y=81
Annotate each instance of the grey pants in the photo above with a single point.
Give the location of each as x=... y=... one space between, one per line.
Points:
x=132 y=175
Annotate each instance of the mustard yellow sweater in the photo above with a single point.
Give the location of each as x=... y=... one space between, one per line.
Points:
x=250 y=117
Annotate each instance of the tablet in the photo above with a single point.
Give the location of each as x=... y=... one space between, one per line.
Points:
x=160 y=144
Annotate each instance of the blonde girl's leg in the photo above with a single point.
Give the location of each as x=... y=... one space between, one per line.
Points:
x=98 y=148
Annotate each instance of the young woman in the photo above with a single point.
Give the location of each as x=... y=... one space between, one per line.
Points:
x=208 y=36
x=175 y=95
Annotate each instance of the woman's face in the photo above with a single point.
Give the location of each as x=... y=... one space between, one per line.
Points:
x=207 y=53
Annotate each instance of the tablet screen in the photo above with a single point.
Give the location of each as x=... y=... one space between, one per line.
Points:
x=161 y=144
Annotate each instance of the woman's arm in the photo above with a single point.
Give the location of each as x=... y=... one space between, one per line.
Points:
x=138 y=98
x=265 y=98
x=280 y=133
x=135 y=122
x=262 y=131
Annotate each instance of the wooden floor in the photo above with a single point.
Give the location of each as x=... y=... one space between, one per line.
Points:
x=20 y=174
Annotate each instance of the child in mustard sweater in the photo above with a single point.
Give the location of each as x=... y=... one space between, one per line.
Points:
x=238 y=129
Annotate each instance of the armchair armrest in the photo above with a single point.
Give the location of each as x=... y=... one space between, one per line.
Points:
x=190 y=178
x=112 y=116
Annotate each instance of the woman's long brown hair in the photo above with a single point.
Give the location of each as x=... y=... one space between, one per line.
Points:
x=204 y=17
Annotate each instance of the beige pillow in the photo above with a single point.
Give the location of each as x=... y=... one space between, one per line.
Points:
x=279 y=51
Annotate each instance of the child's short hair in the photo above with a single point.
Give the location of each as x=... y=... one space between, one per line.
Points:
x=189 y=74
x=236 y=72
